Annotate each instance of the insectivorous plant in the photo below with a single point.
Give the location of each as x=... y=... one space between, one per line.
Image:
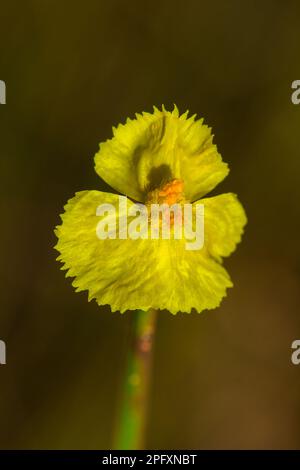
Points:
x=159 y=158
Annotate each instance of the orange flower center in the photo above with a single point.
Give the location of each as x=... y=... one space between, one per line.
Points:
x=170 y=193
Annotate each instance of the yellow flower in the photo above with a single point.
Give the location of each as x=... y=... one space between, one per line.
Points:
x=159 y=157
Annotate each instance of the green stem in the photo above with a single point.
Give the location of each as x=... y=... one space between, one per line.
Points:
x=131 y=427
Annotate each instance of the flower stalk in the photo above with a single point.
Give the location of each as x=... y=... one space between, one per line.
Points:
x=132 y=422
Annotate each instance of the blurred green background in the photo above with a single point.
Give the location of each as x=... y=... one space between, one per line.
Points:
x=222 y=379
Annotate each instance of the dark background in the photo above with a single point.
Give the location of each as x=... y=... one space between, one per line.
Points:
x=222 y=379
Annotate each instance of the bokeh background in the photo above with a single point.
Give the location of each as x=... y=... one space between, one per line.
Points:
x=222 y=379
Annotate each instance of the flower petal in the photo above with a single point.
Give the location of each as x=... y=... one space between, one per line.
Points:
x=135 y=274
x=155 y=148
x=224 y=221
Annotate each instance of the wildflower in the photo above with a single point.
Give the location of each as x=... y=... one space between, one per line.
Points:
x=163 y=158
